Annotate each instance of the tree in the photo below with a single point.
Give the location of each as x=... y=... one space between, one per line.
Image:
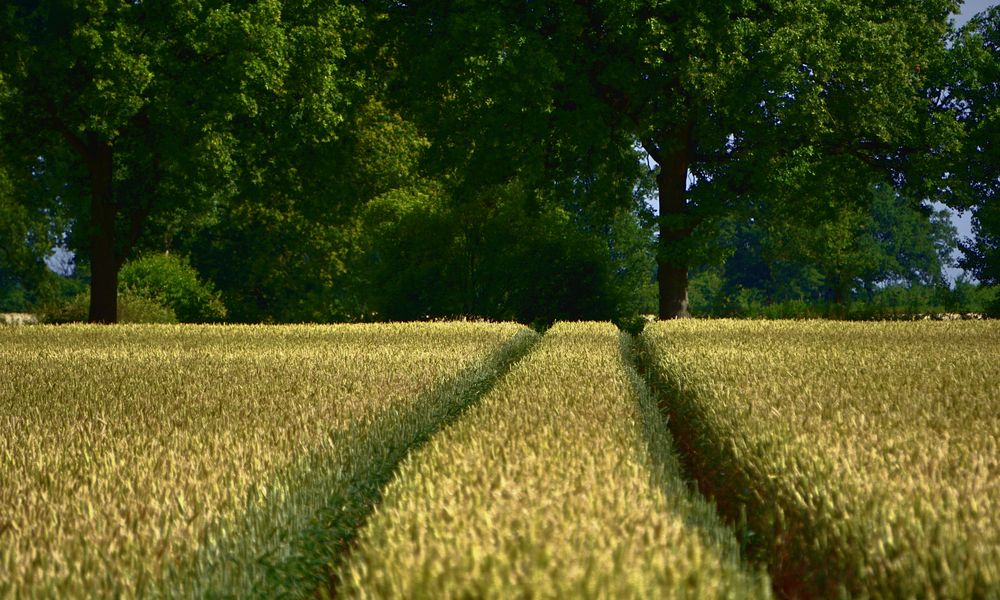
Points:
x=735 y=93
x=156 y=109
x=894 y=241
x=973 y=93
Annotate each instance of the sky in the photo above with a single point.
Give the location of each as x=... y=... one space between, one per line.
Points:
x=970 y=8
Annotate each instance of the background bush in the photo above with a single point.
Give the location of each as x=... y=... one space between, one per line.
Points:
x=172 y=282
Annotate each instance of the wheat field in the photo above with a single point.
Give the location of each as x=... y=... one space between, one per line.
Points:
x=193 y=461
x=698 y=459
x=864 y=457
x=561 y=483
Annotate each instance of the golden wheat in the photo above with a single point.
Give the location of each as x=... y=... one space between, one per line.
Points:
x=864 y=457
x=149 y=460
x=561 y=482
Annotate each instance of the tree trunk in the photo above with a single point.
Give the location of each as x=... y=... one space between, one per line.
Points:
x=104 y=262
x=672 y=260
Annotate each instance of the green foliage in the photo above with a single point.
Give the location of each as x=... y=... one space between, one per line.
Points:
x=280 y=256
x=137 y=308
x=632 y=325
x=993 y=308
x=171 y=282
x=24 y=242
x=858 y=246
x=161 y=113
x=66 y=310
x=267 y=141
x=982 y=251
x=504 y=254
x=972 y=97
x=754 y=98
x=808 y=258
x=898 y=301
x=13 y=297
x=271 y=263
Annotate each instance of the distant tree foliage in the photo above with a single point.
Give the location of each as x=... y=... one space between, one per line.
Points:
x=848 y=254
x=974 y=89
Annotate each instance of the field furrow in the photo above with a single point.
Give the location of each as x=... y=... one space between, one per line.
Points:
x=860 y=459
x=560 y=482
x=214 y=461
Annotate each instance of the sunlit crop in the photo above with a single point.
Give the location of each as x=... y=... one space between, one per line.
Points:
x=208 y=461
x=561 y=482
x=859 y=458
x=405 y=460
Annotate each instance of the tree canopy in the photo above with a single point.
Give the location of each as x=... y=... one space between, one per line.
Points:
x=155 y=108
x=747 y=97
x=329 y=160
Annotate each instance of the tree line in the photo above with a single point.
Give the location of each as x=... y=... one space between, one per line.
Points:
x=321 y=160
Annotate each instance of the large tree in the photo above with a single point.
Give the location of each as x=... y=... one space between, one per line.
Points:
x=740 y=97
x=166 y=108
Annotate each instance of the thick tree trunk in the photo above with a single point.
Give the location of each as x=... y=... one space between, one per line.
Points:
x=104 y=263
x=672 y=261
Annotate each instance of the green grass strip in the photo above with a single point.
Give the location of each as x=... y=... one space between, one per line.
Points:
x=561 y=482
x=858 y=460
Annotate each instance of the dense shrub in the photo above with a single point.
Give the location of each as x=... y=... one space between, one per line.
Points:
x=513 y=257
x=174 y=283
